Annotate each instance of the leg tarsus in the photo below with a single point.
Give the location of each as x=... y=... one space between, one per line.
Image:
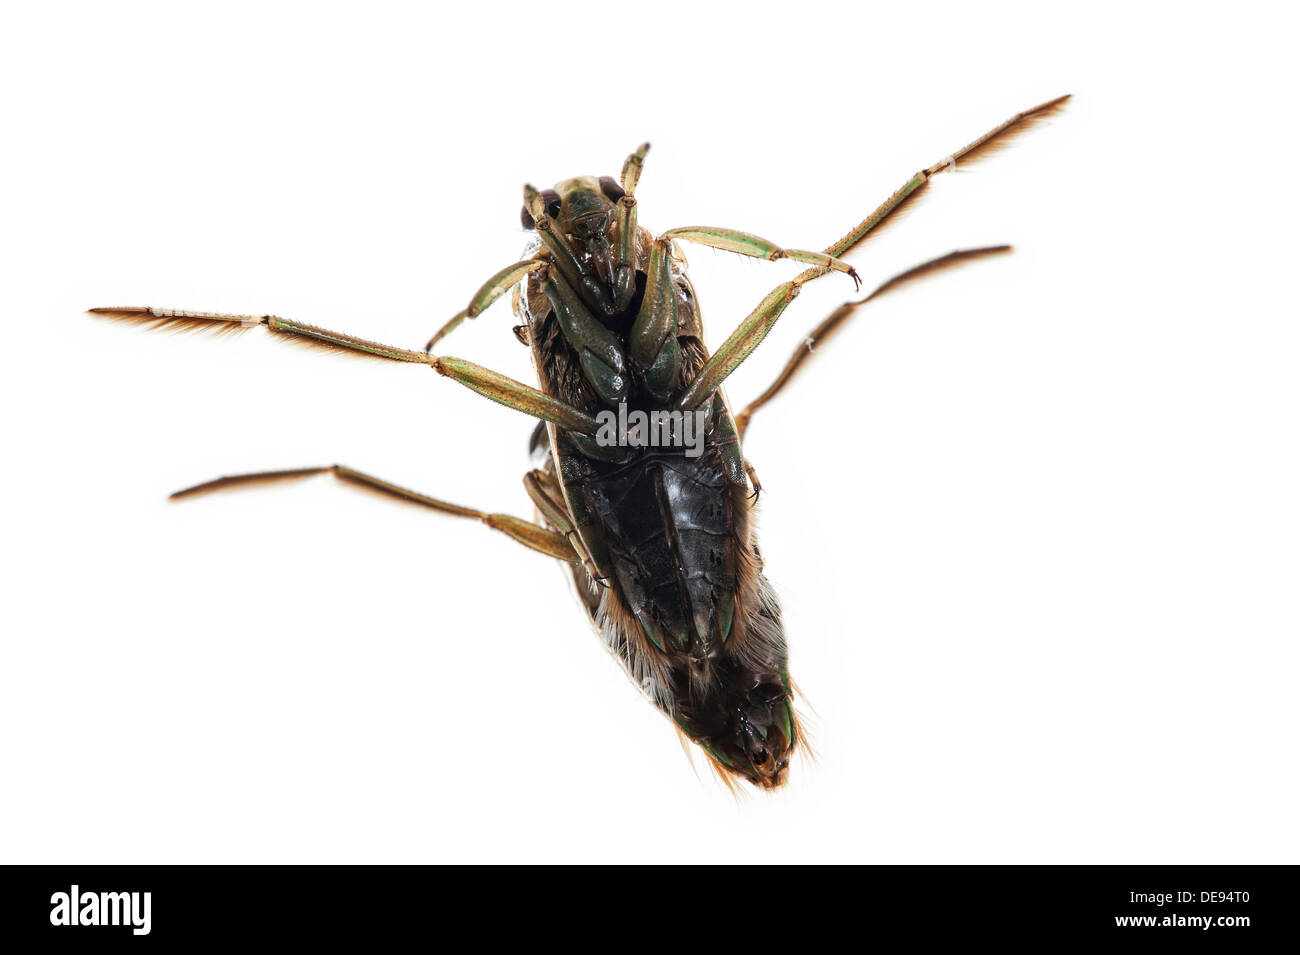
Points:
x=288 y=330
x=753 y=480
x=915 y=185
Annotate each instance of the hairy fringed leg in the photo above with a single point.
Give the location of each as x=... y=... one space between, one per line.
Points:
x=977 y=149
x=533 y=536
x=755 y=327
x=490 y=384
x=289 y=330
x=841 y=315
x=669 y=539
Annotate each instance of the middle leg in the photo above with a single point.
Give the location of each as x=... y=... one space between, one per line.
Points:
x=533 y=536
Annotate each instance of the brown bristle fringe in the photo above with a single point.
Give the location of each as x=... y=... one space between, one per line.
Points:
x=182 y=322
x=991 y=142
x=261 y=478
x=1002 y=137
x=319 y=345
x=955 y=258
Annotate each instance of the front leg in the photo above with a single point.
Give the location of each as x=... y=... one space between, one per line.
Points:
x=515 y=394
x=594 y=292
x=599 y=350
x=625 y=263
x=491 y=290
x=744 y=243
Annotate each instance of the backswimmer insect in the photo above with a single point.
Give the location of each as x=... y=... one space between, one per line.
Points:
x=658 y=535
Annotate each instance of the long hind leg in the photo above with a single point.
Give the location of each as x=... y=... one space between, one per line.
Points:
x=758 y=323
x=841 y=315
x=485 y=381
x=533 y=536
x=994 y=139
x=218 y=322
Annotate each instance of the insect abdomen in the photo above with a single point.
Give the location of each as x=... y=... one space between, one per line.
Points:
x=672 y=535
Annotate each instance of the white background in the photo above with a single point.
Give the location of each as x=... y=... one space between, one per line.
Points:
x=1034 y=522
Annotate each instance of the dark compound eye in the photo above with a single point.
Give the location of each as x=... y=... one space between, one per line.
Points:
x=612 y=190
x=552 y=200
x=551 y=207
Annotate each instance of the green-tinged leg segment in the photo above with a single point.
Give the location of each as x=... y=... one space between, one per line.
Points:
x=625 y=261
x=661 y=377
x=490 y=384
x=841 y=315
x=541 y=539
x=738 y=346
x=598 y=450
x=625 y=257
x=549 y=499
x=283 y=327
x=652 y=344
x=743 y=243
x=632 y=167
x=515 y=394
x=566 y=258
x=585 y=282
x=492 y=290
x=727 y=438
x=599 y=350
x=972 y=151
